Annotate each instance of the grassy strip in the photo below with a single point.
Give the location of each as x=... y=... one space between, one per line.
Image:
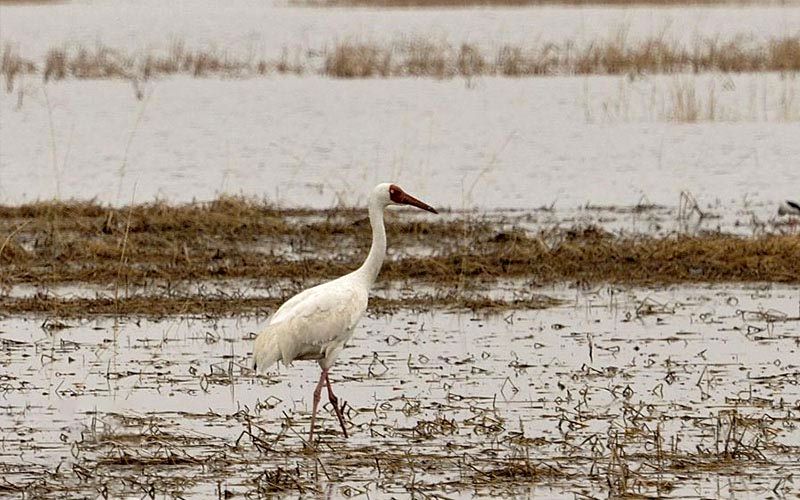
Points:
x=231 y=238
x=418 y=57
x=614 y=55
x=683 y=259
x=157 y=306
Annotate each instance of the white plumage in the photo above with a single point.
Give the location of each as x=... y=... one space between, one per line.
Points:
x=317 y=323
x=314 y=324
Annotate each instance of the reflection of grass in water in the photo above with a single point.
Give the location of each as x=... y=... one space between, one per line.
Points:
x=12 y=65
x=688 y=104
x=696 y=98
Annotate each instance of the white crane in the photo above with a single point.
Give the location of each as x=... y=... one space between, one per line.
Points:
x=788 y=207
x=315 y=324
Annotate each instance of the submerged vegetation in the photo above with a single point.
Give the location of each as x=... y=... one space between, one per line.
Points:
x=418 y=57
x=617 y=396
x=126 y=453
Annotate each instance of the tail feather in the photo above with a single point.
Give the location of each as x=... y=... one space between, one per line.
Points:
x=266 y=351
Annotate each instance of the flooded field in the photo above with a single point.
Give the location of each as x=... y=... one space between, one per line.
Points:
x=485 y=142
x=311 y=141
x=684 y=392
x=605 y=306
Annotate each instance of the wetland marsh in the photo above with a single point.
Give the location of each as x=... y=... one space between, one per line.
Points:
x=607 y=305
x=684 y=391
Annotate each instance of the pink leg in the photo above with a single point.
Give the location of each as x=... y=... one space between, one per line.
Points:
x=335 y=402
x=317 y=393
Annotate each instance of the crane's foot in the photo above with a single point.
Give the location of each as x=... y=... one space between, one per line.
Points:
x=335 y=402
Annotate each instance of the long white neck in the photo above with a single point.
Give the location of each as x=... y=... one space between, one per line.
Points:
x=371 y=267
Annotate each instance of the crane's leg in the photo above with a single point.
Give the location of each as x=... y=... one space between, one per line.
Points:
x=335 y=402
x=317 y=393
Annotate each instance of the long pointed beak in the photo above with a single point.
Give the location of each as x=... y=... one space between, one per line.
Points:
x=407 y=199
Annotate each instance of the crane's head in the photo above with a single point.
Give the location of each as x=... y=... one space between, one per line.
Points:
x=392 y=194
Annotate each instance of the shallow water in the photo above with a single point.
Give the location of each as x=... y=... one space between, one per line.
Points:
x=500 y=143
x=442 y=401
x=266 y=28
x=684 y=391
x=487 y=143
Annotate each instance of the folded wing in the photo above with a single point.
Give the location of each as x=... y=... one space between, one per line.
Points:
x=314 y=324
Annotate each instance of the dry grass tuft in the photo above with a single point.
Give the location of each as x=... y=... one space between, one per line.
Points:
x=784 y=54
x=422 y=57
x=615 y=55
x=197 y=63
x=84 y=63
x=356 y=60
x=104 y=62
x=12 y=66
